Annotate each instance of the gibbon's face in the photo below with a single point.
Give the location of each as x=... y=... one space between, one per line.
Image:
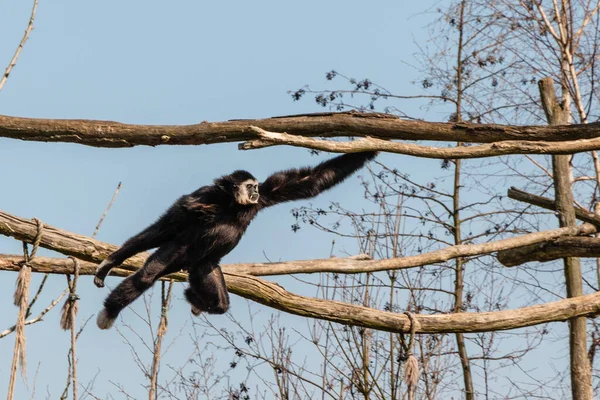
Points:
x=247 y=192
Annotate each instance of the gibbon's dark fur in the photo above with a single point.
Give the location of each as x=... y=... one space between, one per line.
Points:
x=202 y=227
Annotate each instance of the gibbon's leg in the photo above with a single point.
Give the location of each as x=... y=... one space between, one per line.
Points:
x=207 y=290
x=149 y=238
x=162 y=262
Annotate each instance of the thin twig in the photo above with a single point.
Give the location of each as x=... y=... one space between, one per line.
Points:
x=36 y=319
x=37 y=295
x=112 y=200
x=13 y=61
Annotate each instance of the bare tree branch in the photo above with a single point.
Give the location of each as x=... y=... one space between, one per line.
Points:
x=13 y=61
x=544 y=202
x=88 y=249
x=275 y=296
x=373 y=144
x=548 y=251
x=38 y=318
x=551 y=250
x=383 y=126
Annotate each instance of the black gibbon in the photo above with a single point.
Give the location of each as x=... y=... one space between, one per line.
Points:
x=202 y=227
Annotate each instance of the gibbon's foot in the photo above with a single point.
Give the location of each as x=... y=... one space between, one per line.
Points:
x=104 y=321
x=99 y=282
x=196 y=311
x=99 y=275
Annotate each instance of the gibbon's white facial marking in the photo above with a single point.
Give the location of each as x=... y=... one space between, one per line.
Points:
x=247 y=192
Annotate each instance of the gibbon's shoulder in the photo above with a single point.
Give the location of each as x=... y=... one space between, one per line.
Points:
x=206 y=199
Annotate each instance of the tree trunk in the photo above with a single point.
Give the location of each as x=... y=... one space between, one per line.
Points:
x=557 y=114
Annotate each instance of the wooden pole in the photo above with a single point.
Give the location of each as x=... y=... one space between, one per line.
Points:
x=558 y=114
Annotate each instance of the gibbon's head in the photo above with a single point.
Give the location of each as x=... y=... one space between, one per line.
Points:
x=241 y=185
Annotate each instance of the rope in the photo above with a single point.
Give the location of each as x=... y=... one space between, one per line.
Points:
x=21 y=300
x=164 y=310
x=68 y=318
x=24 y=276
x=411 y=369
x=70 y=308
x=38 y=238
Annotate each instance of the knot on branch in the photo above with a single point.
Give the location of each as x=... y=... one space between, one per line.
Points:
x=24 y=277
x=73 y=297
x=71 y=306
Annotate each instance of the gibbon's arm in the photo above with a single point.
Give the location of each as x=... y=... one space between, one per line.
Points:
x=303 y=183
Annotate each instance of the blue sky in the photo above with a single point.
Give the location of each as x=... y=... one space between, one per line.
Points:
x=177 y=62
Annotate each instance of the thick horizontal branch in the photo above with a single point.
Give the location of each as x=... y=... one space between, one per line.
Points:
x=549 y=204
x=63 y=266
x=275 y=296
x=353 y=124
x=558 y=248
x=462 y=152
x=562 y=247
x=68 y=243
x=89 y=249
